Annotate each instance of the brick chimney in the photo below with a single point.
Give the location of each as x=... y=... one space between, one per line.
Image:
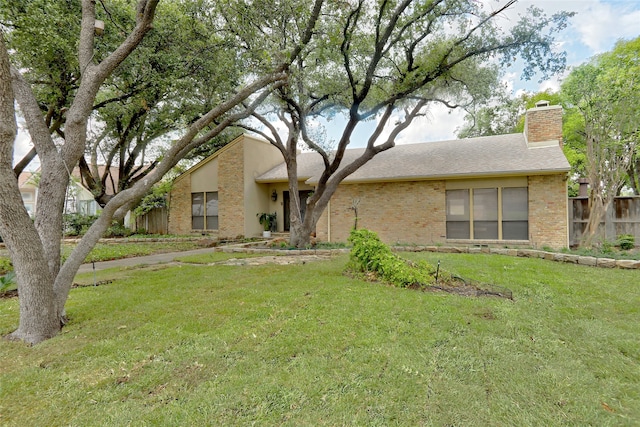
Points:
x=543 y=125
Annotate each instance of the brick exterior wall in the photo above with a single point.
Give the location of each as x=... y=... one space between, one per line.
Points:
x=548 y=220
x=544 y=124
x=405 y=212
x=180 y=207
x=231 y=212
x=415 y=212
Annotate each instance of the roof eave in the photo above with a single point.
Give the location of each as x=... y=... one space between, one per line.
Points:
x=313 y=181
x=279 y=180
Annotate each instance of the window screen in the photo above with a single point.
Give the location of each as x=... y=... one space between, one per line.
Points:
x=458 y=214
x=515 y=214
x=197 y=211
x=212 y=210
x=485 y=213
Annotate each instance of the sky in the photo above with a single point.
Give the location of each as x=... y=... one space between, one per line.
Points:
x=595 y=28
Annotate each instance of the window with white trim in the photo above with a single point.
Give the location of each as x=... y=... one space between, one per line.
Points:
x=204 y=210
x=488 y=213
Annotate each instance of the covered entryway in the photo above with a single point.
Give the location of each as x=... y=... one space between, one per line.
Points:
x=304 y=195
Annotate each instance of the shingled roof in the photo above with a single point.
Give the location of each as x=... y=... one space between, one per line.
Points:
x=490 y=156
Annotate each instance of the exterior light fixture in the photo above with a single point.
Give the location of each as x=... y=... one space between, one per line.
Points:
x=274 y=195
x=98 y=27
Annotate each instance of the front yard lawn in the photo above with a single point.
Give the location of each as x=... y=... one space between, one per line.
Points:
x=306 y=345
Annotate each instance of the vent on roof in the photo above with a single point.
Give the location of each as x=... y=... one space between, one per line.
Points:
x=542 y=103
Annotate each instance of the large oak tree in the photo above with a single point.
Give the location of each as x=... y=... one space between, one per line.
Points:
x=383 y=63
x=60 y=140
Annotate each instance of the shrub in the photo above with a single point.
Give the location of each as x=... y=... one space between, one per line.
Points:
x=7 y=281
x=606 y=248
x=5 y=265
x=626 y=242
x=369 y=254
x=155 y=198
x=117 y=229
x=76 y=224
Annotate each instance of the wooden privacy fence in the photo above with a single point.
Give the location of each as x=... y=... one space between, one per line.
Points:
x=155 y=221
x=623 y=217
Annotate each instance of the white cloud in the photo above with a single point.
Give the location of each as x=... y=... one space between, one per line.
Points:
x=23 y=145
x=438 y=124
x=601 y=24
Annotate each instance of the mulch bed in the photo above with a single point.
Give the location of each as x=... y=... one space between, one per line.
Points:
x=457 y=285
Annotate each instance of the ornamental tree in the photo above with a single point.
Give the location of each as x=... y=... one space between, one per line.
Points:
x=605 y=91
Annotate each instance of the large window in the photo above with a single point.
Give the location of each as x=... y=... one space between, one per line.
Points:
x=488 y=213
x=204 y=211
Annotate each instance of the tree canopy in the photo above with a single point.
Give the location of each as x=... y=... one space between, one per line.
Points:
x=605 y=91
x=183 y=72
x=382 y=64
x=110 y=71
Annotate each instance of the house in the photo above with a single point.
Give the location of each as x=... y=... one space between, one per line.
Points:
x=497 y=190
x=78 y=199
x=27 y=182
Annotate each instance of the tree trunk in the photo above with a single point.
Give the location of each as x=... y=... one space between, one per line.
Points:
x=597 y=211
x=38 y=317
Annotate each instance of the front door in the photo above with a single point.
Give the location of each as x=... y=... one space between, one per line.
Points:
x=286 y=206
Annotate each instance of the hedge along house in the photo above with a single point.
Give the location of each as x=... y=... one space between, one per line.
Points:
x=497 y=190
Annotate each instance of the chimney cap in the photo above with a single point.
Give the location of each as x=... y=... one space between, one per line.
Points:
x=542 y=103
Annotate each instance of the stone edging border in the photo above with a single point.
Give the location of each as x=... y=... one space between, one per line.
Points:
x=589 y=261
x=532 y=253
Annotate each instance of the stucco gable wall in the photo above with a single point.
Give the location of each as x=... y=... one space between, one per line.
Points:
x=205 y=178
x=231 y=172
x=259 y=157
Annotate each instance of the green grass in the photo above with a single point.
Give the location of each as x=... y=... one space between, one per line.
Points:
x=305 y=345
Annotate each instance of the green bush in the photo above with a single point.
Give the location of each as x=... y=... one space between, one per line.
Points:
x=626 y=242
x=118 y=229
x=369 y=254
x=7 y=281
x=77 y=224
x=606 y=248
x=155 y=198
x=5 y=265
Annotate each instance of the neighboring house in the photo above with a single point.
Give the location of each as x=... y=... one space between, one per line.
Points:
x=27 y=183
x=496 y=190
x=78 y=199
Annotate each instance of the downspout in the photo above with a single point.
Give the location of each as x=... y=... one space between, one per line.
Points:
x=566 y=207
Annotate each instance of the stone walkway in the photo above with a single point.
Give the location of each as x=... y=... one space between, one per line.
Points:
x=274 y=259
x=270 y=257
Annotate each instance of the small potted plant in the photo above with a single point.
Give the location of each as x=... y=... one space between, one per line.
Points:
x=268 y=221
